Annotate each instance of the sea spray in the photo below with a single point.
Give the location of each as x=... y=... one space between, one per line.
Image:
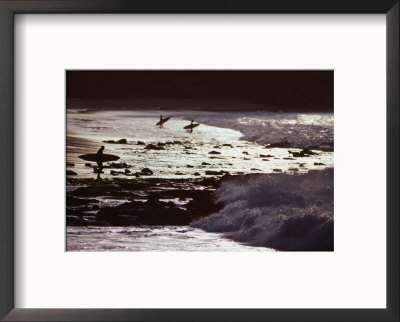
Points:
x=282 y=211
x=292 y=130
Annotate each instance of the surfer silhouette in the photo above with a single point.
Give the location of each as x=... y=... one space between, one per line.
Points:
x=162 y=121
x=99 y=158
x=99 y=161
x=191 y=126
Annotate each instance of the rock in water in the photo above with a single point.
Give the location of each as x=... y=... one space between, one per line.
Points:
x=153 y=147
x=121 y=141
x=71 y=173
x=121 y=165
x=302 y=153
x=215 y=173
x=115 y=173
x=146 y=172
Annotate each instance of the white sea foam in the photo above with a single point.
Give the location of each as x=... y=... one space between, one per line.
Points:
x=232 y=153
x=295 y=130
x=282 y=211
x=151 y=238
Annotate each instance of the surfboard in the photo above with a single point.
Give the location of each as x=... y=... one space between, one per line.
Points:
x=190 y=126
x=163 y=121
x=94 y=157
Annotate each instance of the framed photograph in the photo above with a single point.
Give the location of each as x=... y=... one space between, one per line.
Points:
x=197 y=161
x=198 y=147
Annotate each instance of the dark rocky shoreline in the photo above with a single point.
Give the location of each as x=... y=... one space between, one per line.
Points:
x=142 y=201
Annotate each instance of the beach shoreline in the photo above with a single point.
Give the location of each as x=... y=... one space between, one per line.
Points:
x=167 y=177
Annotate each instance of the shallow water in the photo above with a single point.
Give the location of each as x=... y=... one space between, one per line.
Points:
x=165 y=238
x=208 y=148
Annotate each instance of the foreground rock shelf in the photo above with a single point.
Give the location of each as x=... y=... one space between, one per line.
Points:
x=152 y=201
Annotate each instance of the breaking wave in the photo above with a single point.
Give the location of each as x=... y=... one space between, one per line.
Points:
x=281 y=211
x=313 y=131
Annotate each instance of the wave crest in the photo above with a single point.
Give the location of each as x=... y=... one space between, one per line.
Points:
x=281 y=211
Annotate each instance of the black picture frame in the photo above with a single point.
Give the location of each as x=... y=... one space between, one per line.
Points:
x=8 y=8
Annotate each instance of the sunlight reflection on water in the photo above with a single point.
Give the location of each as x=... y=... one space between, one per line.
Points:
x=208 y=148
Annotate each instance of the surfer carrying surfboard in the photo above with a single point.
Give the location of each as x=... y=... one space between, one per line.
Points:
x=191 y=126
x=99 y=161
x=162 y=121
x=99 y=158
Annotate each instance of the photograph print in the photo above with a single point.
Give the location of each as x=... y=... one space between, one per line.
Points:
x=199 y=160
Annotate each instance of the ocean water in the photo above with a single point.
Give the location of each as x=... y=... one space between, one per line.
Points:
x=234 y=152
x=151 y=238
x=289 y=210
x=307 y=130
